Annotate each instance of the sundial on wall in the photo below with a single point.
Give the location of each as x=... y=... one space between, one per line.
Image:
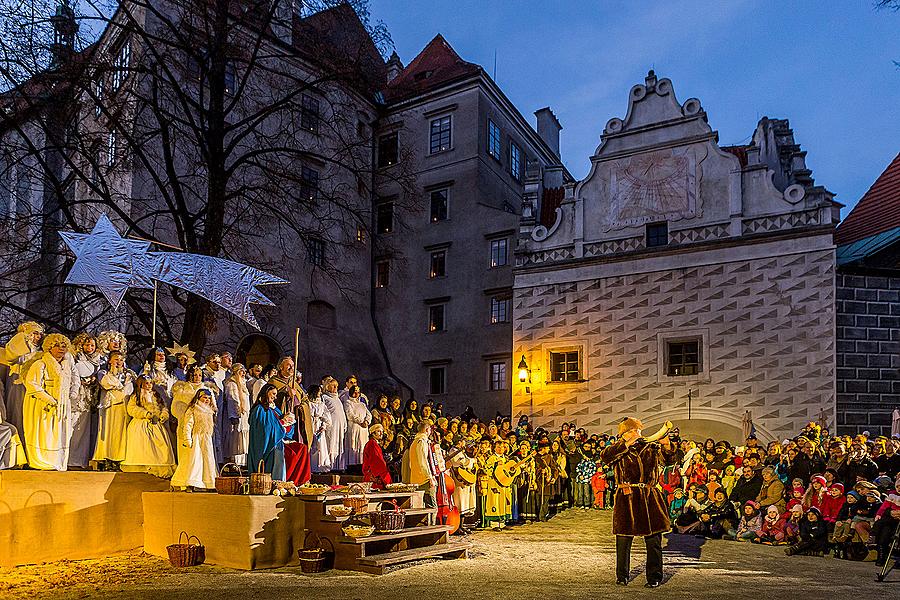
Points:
x=658 y=186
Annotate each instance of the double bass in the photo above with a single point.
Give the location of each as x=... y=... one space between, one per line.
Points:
x=447 y=511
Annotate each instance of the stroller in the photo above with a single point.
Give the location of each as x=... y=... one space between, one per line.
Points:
x=890 y=561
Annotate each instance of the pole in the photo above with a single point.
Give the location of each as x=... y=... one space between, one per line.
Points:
x=153 y=328
x=296 y=355
x=690 y=398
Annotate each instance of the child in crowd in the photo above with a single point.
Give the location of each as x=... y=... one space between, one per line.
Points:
x=728 y=479
x=813 y=535
x=584 y=471
x=797 y=493
x=771 y=531
x=792 y=524
x=749 y=523
x=676 y=506
x=815 y=493
x=598 y=486
x=832 y=504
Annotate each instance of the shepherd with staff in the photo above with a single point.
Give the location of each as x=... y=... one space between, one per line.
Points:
x=640 y=508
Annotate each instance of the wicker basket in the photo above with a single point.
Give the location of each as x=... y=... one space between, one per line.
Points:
x=187 y=554
x=355 y=498
x=230 y=485
x=388 y=521
x=260 y=482
x=314 y=557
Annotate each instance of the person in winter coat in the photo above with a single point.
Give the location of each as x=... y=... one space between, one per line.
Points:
x=749 y=524
x=815 y=493
x=374 y=467
x=832 y=504
x=797 y=493
x=886 y=521
x=746 y=488
x=771 y=492
x=676 y=507
x=771 y=531
x=857 y=465
x=813 y=535
x=843 y=532
x=792 y=521
x=718 y=517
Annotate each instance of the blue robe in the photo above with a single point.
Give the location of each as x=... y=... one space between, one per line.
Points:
x=267 y=440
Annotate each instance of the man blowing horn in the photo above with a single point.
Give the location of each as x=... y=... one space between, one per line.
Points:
x=639 y=509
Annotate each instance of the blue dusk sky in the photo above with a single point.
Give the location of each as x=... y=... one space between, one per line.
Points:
x=826 y=66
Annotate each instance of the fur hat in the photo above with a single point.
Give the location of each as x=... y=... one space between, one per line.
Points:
x=752 y=503
x=629 y=424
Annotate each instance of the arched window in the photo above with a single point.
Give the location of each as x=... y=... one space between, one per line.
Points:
x=258 y=348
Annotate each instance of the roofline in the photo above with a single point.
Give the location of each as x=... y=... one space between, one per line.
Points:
x=481 y=77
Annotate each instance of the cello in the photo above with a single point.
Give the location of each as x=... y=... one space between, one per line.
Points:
x=447 y=511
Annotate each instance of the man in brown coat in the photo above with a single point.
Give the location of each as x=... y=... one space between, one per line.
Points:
x=640 y=508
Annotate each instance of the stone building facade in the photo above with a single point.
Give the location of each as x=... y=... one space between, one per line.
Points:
x=680 y=281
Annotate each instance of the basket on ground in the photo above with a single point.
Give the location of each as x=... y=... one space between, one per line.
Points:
x=186 y=554
x=260 y=482
x=230 y=485
x=314 y=557
x=388 y=521
x=355 y=498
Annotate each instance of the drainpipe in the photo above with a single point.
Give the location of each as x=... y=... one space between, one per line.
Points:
x=372 y=304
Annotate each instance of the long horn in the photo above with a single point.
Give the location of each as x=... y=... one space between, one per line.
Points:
x=664 y=430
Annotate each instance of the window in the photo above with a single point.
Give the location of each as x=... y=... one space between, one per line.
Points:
x=5 y=185
x=498 y=376
x=498 y=253
x=440 y=134
x=388 y=150
x=98 y=108
x=436 y=318
x=230 y=79
x=515 y=161
x=111 y=148
x=120 y=64
x=493 y=140
x=309 y=184
x=565 y=366
x=382 y=273
x=683 y=357
x=360 y=234
x=440 y=200
x=657 y=234
x=437 y=380
x=315 y=252
x=384 y=217
x=438 y=264
x=500 y=309
x=309 y=113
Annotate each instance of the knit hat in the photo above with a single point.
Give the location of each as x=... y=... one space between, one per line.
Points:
x=752 y=503
x=818 y=478
x=629 y=424
x=813 y=509
x=798 y=489
x=883 y=482
x=854 y=494
x=837 y=486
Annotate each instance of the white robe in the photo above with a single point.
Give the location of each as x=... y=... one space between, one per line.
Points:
x=148 y=448
x=162 y=380
x=46 y=411
x=358 y=420
x=84 y=421
x=113 y=415
x=16 y=354
x=237 y=436
x=463 y=495
x=196 y=455
x=337 y=433
x=182 y=394
x=319 y=455
x=215 y=380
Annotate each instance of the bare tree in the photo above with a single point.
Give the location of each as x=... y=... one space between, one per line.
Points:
x=232 y=128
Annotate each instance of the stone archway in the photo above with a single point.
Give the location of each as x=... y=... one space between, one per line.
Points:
x=708 y=423
x=258 y=348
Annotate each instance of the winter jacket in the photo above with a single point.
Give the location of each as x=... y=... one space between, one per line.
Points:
x=813 y=532
x=748 y=524
x=831 y=507
x=745 y=489
x=772 y=494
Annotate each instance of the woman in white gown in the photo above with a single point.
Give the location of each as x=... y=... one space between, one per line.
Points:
x=21 y=348
x=237 y=407
x=84 y=416
x=358 y=420
x=196 y=455
x=47 y=406
x=319 y=456
x=157 y=370
x=116 y=385
x=148 y=448
x=337 y=433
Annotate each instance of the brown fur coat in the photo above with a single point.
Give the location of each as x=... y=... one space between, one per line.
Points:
x=642 y=512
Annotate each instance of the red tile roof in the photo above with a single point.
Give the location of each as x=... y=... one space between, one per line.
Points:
x=437 y=64
x=878 y=210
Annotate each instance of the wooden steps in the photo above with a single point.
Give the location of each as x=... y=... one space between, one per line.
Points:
x=377 y=562
x=403 y=533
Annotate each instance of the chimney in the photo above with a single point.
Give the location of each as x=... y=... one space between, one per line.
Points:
x=548 y=128
x=394 y=67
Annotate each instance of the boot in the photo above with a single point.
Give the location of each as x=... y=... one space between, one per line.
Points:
x=790 y=550
x=880 y=558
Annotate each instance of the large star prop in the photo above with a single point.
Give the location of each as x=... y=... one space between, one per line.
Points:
x=112 y=264
x=177 y=349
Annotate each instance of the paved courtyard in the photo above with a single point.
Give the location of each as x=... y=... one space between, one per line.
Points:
x=573 y=556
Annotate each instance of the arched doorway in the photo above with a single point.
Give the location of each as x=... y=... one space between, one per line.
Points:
x=258 y=348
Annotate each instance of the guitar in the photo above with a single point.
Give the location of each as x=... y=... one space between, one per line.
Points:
x=505 y=474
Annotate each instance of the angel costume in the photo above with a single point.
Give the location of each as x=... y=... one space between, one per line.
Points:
x=196 y=456
x=46 y=412
x=17 y=352
x=84 y=420
x=337 y=433
x=115 y=388
x=320 y=457
x=358 y=420
x=148 y=448
x=237 y=435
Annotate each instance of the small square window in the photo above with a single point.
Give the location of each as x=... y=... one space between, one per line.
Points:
x=500 y=309
x=440 y=134
x=438 y=264
x=388 y=150
x=382 y=273
x=657 y=234
x=515 y=161
x=498 y=376
x=309 y=184
x=440 y=200
x=360 y=234
x=309 y=113
x=315 y=252
x=437 y=380
x=683 y=358
x=384 y=217
x=493 y=140
x=436 y=318
x=565 y=366
x=498 y=253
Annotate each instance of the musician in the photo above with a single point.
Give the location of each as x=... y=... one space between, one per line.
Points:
x=497 y=509
x=463 y=467
x=547 y=474
x=639 y=509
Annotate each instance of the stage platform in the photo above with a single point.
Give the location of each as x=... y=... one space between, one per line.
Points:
x=50 y=515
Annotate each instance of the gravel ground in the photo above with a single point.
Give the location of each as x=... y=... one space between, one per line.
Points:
x=572 y=556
